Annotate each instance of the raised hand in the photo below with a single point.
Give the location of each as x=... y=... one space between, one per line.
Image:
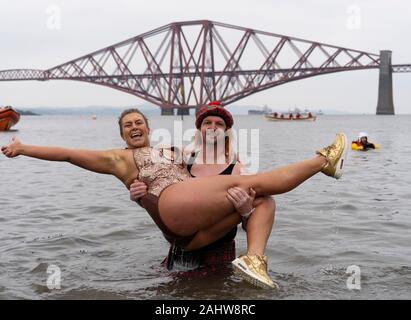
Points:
x=13 y=149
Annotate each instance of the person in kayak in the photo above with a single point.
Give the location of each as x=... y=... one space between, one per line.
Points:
x=362 y=142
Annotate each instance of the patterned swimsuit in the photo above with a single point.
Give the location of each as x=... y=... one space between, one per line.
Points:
x=159 y=168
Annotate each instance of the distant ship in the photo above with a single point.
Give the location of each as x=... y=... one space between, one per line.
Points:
x=8 y=118
x=254 y=112
x=265 y=110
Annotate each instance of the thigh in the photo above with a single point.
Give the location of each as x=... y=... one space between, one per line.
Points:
x=196 y=204
x=207 y=236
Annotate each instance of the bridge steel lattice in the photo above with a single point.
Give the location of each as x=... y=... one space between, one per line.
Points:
x=187 y=64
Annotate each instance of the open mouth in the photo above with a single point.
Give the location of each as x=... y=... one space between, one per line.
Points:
x=136 y=134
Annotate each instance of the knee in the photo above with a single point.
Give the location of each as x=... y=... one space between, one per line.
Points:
x=268 y=203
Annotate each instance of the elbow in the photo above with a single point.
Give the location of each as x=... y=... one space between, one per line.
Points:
x=66 y=158
x=71 y=156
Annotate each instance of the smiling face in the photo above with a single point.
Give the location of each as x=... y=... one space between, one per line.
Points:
x=213 y=129
x=134 y=130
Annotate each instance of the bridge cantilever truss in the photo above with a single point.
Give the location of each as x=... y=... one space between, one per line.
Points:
x=187 y=64
x=22 y=74
x=401 y=68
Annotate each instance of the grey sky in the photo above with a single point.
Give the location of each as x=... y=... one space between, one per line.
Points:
x=27 y=42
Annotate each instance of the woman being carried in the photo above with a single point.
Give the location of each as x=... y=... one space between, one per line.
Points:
x=183 y=208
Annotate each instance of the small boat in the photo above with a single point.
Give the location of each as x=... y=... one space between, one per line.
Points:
x=290 y=117
x=8 y=118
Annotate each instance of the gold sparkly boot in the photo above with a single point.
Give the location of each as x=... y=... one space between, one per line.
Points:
x=253 y=268
x=335 y=154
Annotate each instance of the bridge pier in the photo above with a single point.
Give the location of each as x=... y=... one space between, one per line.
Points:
x=170 y=111
x=183 y=111
x=385 y=103
x=167 y=111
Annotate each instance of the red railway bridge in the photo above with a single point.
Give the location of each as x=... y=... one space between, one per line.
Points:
x=183 y=65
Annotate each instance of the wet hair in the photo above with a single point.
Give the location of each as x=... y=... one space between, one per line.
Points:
x=128 y=111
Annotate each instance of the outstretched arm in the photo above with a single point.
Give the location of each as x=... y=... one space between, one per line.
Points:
x=96 y=161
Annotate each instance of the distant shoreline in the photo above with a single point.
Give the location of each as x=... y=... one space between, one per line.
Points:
x=27 y=113
x=101 y=111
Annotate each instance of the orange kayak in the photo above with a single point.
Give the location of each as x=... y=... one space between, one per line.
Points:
x=8 y=118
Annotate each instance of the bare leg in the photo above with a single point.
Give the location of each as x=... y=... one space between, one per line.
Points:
x=217 y=231
x=259 y=226
x=252 y=266
x=208 y=195
x=197 y=204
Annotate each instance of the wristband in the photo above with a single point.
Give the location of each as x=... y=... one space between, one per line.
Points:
x=248 y=214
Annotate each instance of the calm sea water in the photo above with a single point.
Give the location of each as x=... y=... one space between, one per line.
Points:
x=106 y=247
